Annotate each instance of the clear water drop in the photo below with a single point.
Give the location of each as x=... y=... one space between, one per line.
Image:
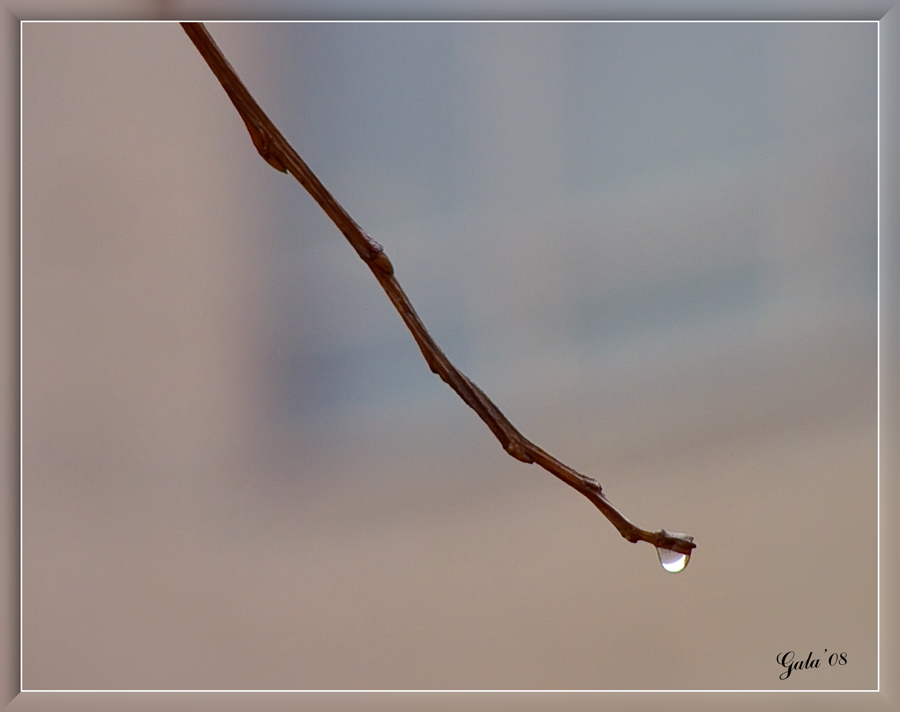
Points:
x=673 y=561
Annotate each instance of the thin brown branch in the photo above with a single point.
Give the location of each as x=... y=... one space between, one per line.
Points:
x=279 y=154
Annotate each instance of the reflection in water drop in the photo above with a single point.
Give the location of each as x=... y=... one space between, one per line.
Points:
x=673 y=561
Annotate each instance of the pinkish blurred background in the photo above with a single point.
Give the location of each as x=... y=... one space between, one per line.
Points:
x=653 y=245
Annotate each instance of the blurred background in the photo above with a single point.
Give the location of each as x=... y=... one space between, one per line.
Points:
x=653 y=245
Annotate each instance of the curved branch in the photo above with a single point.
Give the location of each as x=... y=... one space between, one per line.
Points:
x=279 y=154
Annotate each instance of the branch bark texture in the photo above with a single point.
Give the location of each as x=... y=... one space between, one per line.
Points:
x=279 y=154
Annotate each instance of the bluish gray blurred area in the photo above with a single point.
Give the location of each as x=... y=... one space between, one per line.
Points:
x=560 y=200
x=653 y=245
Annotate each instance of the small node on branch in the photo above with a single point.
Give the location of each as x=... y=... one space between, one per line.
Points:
x=383 y=262
x=263 y=145
x=518 y=452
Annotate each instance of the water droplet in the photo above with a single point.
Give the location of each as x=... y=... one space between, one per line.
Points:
x=673 y=561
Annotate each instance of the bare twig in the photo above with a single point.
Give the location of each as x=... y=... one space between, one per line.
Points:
x=279 y=154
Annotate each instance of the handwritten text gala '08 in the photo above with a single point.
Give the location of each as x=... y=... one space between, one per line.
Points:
x=787 y=661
